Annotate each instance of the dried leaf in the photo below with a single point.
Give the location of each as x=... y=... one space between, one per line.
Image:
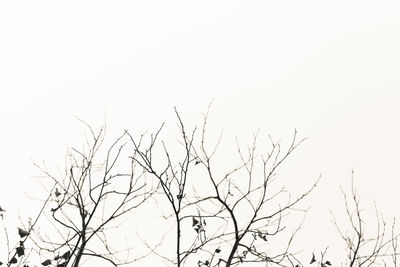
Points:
x=312 y=259
x=22 y=233
x=66 y=255
x=57 y=193
x=46 y=262
x=20 y=251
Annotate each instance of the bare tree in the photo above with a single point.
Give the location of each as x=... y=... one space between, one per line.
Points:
x=88 y=202
x=240 y=213
x=363 y=246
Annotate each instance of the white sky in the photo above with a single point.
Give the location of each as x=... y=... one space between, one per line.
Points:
x=328 y=68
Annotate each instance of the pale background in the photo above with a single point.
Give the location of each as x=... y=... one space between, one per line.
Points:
x=328 y=68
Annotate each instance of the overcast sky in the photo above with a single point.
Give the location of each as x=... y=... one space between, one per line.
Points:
x=328 y=68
